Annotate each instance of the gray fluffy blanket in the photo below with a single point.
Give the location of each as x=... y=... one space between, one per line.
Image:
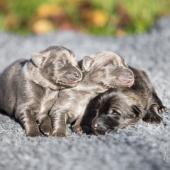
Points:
x=142 y=147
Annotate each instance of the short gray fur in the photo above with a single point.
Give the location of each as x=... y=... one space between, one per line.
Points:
x=143 y=147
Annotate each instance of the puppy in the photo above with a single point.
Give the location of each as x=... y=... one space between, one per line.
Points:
x=28 y=88
x=120 y=107
x=100 y=72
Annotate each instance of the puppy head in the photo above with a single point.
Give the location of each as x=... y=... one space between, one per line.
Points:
x=114 y=113
x=58 y=65
x=108 y=69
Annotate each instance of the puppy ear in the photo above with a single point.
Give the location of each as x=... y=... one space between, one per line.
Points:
x=87 y=63
x=38 y=59
x=125 y=77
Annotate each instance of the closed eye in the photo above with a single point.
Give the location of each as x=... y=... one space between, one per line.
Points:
x=61 y=64
x=114 y=112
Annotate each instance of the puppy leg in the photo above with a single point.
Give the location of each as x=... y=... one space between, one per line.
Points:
x=44 y=121
x=28 y=121
x=152 y=114
x=46 y=126
x=58 y=123
x=155 y=105
x=155 y=109
x=160 y=107
x=77 y=126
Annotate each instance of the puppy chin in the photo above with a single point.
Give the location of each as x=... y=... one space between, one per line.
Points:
x=68 y=83
x=99 y=130
x=125 y=83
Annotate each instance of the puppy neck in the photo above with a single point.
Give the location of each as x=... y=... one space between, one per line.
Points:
x=33 y=74
x=90 y=86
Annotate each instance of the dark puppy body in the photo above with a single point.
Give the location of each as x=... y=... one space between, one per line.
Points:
x=28 y=88
x=118 y=108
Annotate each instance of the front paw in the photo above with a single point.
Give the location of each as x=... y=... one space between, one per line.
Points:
x=33 y=131
x=159 y=109
x=162 y=109
x=152 y=117
x=59 y=133
x=46 y=126
x=78 y=130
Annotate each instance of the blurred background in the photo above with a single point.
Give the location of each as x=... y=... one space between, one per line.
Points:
x=97 y=17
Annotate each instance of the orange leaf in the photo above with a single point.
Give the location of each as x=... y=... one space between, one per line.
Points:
x=42 y=26
x=49 y=10
x=98 y=18
x=11 y=22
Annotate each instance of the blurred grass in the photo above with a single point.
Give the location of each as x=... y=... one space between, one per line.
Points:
x=100 y=17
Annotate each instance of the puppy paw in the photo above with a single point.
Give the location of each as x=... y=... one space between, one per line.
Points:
x=33 y=132
x=162 y=109
x=159 y=109
x=152 y=117
x=78 y=130
x=46 y=126
x=59 y=133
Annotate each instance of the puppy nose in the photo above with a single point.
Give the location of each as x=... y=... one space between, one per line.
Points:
x=95 y=125
x=77 y=75
x=74 y=76
x=130 y=75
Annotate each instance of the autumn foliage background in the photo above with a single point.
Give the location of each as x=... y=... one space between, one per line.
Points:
x=100 y=17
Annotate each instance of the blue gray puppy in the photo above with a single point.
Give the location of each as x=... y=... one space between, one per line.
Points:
x=101 y=71
x=28 y=88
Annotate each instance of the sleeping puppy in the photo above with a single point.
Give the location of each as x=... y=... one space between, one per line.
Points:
x=28 y=88
x=118 y=108
x=100 y=72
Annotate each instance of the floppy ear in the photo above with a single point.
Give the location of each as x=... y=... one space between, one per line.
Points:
x=125 y=77
x=38 y=59
x=87 y=63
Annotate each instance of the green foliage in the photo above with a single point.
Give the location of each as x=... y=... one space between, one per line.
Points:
x=143 y=13
x=107 y=5
x=129 y=16
x=2 y=22
x=23 y=9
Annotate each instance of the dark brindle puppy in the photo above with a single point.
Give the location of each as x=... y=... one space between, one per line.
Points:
x=100 y=72
x=28 y=88
x=118 y=108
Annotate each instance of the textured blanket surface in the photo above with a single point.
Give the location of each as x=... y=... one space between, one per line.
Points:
x=142 y=147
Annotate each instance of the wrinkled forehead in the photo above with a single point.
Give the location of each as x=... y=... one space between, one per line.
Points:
x=63 y=55
x=108 y=57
